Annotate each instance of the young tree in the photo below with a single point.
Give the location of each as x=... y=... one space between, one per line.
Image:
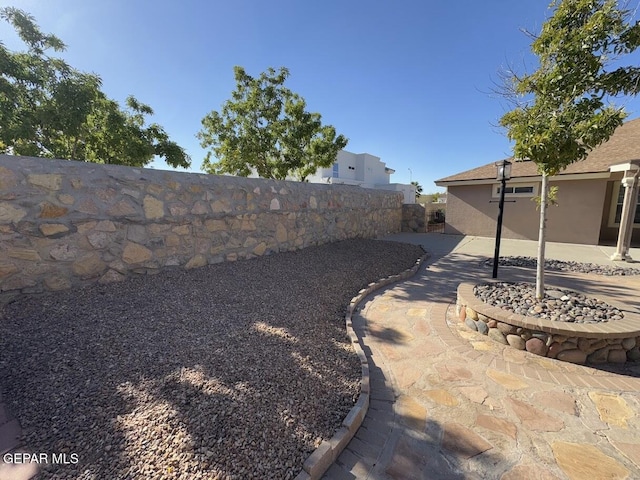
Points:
x=50 y=109
x=265 y=127
x=563 y=113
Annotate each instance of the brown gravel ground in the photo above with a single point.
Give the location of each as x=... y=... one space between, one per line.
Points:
x=230 y=371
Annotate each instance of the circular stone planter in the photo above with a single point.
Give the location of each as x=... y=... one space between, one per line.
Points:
x=582 y=343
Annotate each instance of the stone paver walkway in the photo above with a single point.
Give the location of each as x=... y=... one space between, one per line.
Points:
x=448 y=403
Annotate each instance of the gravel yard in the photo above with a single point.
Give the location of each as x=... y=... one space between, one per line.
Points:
x=231 y=371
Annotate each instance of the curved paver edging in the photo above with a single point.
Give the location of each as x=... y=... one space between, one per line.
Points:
x=323 y=457
x=615 y=342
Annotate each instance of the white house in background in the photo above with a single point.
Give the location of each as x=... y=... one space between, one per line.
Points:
x=364 y=170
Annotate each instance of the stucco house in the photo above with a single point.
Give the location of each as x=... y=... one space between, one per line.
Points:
x=597 y=197
x=362 y=169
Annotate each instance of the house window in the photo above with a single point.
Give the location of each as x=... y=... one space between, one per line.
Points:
x=616 y=207
x=336 y=170
x=517 y=190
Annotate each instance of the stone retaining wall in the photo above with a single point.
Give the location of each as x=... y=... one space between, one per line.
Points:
x=414 y=218
x=611 y=342
x=65 y=224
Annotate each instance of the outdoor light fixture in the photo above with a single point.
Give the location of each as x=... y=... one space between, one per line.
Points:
x=503 y=174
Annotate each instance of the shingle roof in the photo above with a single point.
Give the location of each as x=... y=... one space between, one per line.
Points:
x=623 y=146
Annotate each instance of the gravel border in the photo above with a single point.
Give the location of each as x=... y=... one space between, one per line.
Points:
x=153 y=378
x=328 y=451
x=563 y=266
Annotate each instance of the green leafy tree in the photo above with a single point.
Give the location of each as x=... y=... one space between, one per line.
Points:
x=50 y=109
x=563 y=110
x=264 y=127
x=418 y=189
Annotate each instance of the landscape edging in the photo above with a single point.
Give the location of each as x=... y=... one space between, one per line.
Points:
x=328 y=451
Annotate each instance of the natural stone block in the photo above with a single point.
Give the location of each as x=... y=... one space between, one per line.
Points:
x=48 y=210
x=471 y=324
x=463 y=442
x=135 y=253
x=483 y=328
x=533 y=418
x=48 y=181
x=111 y=276
x=105 y=226
x=66 y=199
x=51 y=229
x=260 y=249
x=506 y=329
x=88 y=266
x=617 y=356
x=573 y=356
x=7 y=269
x=178 y=210
x=137 y=233
x=599 y=356
x=200 y=208
x=275 y=204
x=64 y=252
x=57 y=282
x=634 y=354
x=153 y=208
x=98 y=240
x=215 y=225
x=10 y=213
x=181 y=230
x=579 y=460
x=508 y=381
x=124 y=208
x=497 y=425
x=196 y=262
x=497 y=335
x=23 y=254
x=221 y=206
x=516 y=341
x=537 y=346
x=411 y=412
x=628 y=343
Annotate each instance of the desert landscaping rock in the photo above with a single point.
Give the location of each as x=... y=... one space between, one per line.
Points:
x=564 y=266
x=557 y=305
x=229 y=371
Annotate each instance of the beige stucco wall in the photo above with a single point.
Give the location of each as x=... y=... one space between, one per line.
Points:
x=576 y=219
x=65 y=224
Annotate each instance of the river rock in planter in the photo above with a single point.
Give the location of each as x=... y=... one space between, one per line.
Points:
x=471 y=324
x=516 y=341
x=617 y=356
x=506 y=329
x=483 y=318
x=599 y=356
x=573 y=356
x=634 y=354
x=628 y=343
x=555 y=348
x=537 y=346
x=483 y=328
x=472 y=313
x=492 y=324
x=495 y=334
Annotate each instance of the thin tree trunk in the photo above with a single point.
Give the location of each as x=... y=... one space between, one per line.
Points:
x=541 y=237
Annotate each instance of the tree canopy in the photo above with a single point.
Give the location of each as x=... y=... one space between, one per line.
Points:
x=49 y=109
x=565 y=111
x=265 y=128
x=564 y=108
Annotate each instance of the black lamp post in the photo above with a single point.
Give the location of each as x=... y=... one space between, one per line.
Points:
x=504 y=174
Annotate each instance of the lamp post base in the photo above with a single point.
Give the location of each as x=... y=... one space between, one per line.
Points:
x=621 y=257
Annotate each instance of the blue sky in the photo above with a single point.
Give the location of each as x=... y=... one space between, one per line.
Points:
x=409 y=81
